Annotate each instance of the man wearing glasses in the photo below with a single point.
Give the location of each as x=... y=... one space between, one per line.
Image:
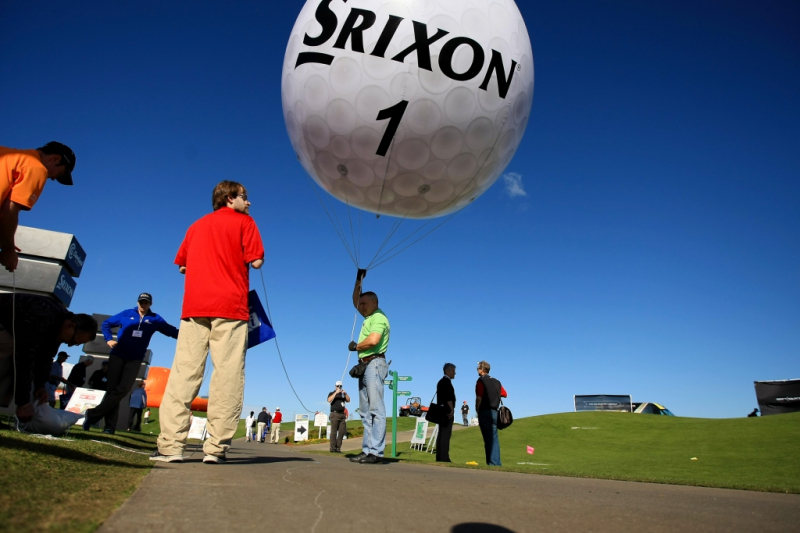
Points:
x=23 y=175
x=35 y=327
x=136 y=327
x=215 y=257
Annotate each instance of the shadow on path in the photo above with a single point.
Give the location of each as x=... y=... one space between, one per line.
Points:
x=479 y=527
x=62 y=452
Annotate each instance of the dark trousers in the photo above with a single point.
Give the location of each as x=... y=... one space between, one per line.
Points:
x=135 y=418
x=121 y=376
x=338 y=431
x=443 y=441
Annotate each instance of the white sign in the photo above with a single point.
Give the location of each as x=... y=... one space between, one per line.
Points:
x=83 y=399
x=300 y=428
x=321 y=420
x=420 y=431
x=198 y=428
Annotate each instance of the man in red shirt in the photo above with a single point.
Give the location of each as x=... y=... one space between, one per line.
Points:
x=215 y=256
x=275 y=428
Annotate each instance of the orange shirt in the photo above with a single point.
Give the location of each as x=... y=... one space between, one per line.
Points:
x=22 y=176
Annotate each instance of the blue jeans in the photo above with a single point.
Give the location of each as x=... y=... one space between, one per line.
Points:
x=372 y=408
x=487 y=420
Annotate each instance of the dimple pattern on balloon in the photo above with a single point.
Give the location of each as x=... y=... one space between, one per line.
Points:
x=454 y=139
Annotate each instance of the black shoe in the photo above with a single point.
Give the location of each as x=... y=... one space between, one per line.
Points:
x=371 y=460
x=357 y=458
x=109 y=431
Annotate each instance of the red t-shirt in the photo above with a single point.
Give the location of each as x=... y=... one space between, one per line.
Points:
x=479 y=390
x=215 y=252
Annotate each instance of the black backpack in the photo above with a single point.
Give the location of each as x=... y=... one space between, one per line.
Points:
x=504 y=416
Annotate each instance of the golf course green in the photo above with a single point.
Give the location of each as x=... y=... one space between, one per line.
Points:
x=738 y=453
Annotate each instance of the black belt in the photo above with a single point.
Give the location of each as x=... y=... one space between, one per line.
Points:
x=369 y=358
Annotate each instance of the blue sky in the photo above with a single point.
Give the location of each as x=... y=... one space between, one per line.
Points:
x=645 y=241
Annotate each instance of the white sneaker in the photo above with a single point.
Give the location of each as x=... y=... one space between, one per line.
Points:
x=155 y=456
x=214 y=459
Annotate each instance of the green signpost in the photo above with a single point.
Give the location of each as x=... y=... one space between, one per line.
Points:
x=395 y=394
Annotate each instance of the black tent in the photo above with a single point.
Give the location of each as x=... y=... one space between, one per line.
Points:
x=778 y=397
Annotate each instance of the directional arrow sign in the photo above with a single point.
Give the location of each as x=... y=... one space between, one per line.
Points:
x=301 y=429
x=387 y=381
x=404 y=393
x=403 y=378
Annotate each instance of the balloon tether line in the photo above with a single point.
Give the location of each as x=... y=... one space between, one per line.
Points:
x=269 y=315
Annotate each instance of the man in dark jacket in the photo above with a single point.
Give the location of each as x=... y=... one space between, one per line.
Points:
x=99 y=378
x=446 y=397
x=262 y=420
x=338 y=419
x=77 y=377
x=37 y=325
x=488 y=392
x=136 y=327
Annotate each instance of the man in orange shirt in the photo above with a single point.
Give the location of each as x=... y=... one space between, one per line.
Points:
x=23 y=174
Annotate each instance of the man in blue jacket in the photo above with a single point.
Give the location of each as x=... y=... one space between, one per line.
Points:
x=136 y=327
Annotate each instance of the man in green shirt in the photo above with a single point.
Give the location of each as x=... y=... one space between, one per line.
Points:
x=373 y=341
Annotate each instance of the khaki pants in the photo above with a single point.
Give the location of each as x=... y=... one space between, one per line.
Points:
x=227 y=341
x=260 y=431
x=275 y=433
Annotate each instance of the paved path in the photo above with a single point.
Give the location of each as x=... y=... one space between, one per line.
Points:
x=275 y=488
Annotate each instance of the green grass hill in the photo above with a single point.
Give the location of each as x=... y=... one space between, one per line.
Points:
x=739 y=453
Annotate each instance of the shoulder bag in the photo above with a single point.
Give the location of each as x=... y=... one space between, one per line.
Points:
x=436 y=413
x=358 y=370
x=504 y=416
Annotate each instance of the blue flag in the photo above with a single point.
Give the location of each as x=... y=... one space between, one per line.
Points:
x=259 y=328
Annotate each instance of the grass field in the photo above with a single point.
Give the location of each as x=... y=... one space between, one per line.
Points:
x=72 y=484
x=740 y=453
x=68 y=485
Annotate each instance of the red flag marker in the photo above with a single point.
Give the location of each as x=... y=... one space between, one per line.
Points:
x=530 y=450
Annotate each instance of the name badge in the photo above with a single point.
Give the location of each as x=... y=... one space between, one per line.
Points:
x=137 y=333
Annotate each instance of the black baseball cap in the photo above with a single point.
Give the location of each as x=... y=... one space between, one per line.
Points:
x=145 y=297
x=67 y=158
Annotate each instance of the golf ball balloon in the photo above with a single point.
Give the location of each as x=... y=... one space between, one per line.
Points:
x=410 y=108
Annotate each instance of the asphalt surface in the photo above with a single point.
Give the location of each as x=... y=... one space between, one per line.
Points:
x=277 y=488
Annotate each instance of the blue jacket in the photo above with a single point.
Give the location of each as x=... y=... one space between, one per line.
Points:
x=131 y=345
x=138 y=398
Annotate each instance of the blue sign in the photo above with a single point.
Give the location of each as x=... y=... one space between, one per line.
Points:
x=64 y=289
x=259 y=328
x=75 y=257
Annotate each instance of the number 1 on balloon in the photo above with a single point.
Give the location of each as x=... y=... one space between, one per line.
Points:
x=394 y=114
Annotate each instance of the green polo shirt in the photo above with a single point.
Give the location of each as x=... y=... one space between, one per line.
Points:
x=375 y=323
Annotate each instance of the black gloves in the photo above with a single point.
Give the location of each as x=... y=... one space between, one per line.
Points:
x=352 y=346
x=361 y=274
